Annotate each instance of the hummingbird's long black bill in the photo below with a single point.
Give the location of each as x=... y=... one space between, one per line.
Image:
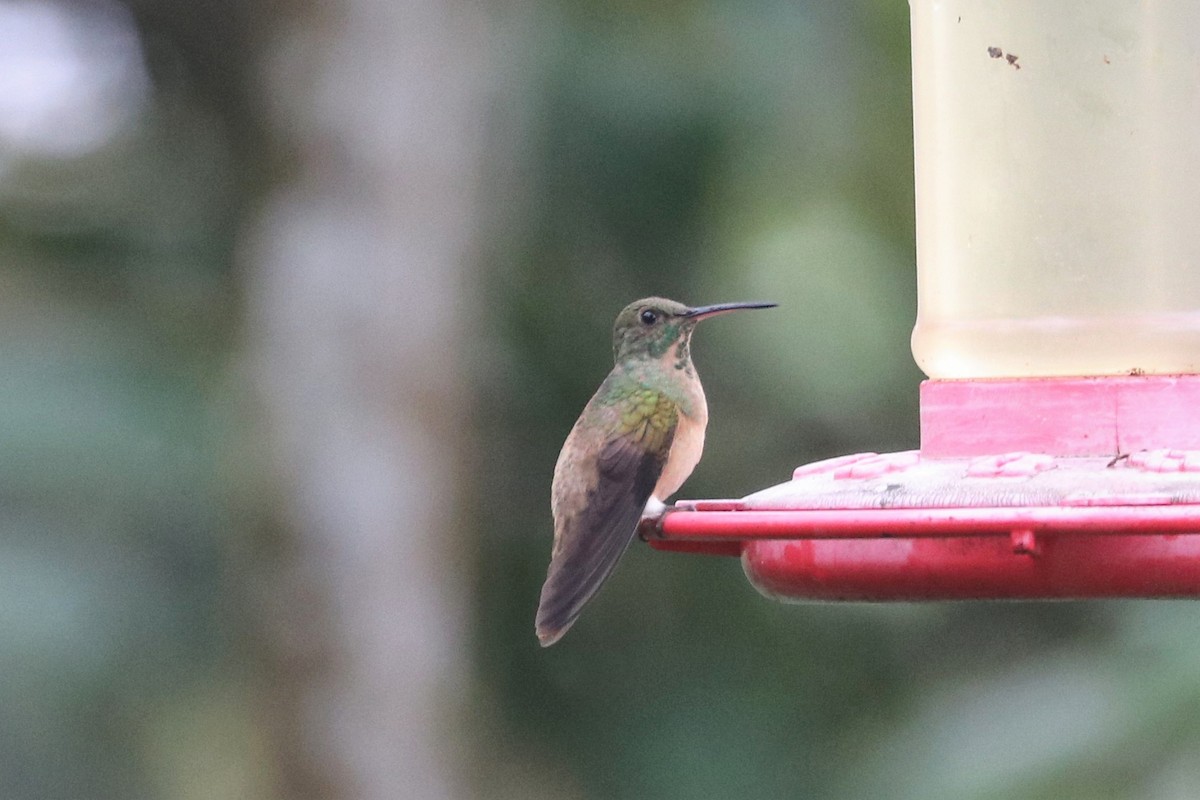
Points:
x=700 y=312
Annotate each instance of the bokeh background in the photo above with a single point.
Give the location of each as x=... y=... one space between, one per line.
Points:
x=297 y=303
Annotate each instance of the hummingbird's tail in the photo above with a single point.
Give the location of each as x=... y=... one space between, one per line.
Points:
x=574 y=578
x=548 y=636
x=591 y=536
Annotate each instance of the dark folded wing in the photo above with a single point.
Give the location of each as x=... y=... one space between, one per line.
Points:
x=593 y=539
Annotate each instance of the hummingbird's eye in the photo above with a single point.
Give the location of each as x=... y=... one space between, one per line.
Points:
x=649 y=316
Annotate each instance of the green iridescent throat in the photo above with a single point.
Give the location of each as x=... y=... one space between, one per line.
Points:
x=653 y=343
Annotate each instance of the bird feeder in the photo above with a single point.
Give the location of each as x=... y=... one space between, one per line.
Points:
x=1058 y=266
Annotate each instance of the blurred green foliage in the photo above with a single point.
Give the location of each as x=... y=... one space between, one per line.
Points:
x=119 y=309
x=707 y=151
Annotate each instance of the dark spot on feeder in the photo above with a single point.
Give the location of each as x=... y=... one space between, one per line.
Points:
x=1012 y=59
x=1137 y=372
x=995 y=52
x=1106 y=61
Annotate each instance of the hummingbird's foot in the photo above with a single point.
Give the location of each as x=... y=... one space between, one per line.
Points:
x=654 y=508
x=651 y=515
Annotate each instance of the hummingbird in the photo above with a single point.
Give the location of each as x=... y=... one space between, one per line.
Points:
x=634 y=445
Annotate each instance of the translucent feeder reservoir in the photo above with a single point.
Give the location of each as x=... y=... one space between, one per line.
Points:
x=1057 y=187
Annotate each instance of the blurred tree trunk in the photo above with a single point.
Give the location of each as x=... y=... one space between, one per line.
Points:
x=359 y=311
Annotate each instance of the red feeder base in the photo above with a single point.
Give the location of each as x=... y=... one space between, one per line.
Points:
x=1022 y=489
x=1062 y=566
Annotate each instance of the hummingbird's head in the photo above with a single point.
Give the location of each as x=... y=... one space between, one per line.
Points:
x=648 y=328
